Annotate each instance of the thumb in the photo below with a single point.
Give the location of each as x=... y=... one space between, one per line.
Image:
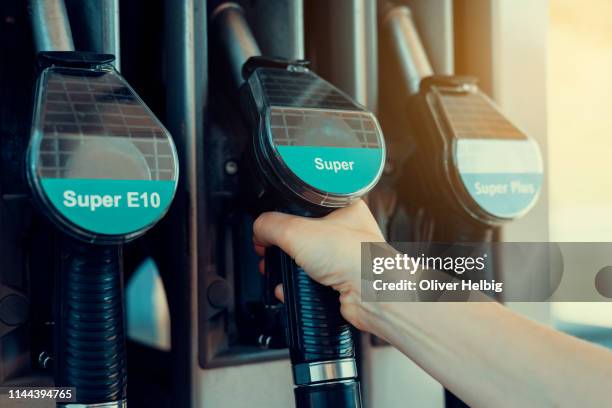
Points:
x=278 y=229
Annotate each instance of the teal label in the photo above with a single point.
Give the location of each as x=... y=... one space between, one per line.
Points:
x=338 y=170
x=111 y=207
x=502 y=194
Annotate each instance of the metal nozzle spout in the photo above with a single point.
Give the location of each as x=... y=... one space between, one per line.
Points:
x=235 y=36
x=400 y=32
x=50 y=25
x=96 y=26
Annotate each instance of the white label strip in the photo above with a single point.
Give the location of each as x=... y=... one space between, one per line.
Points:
x=498 y=156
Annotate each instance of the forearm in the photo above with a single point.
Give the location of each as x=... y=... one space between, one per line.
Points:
x=488 y=355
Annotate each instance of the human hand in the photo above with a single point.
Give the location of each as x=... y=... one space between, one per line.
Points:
x=327 y=248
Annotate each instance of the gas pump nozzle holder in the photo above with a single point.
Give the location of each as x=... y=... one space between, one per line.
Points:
x=92 y=136
x=312 y=149
x=470 y=162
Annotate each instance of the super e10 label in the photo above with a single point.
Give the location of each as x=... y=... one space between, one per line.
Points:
x=108 y=206
x=129 y=199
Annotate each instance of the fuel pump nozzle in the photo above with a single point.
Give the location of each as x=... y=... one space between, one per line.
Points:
x=470 y=165
x=104 y=170
x=311 y=149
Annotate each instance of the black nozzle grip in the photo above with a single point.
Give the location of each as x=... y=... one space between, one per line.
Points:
x=316 y=329
x=317 y=333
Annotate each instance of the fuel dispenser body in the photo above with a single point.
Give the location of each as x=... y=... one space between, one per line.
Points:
x=79 y=199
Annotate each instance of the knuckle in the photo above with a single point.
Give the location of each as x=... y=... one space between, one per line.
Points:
x=260 y=222
x=288 y=228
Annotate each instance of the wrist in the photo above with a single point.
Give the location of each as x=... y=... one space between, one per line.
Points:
x=365 y=316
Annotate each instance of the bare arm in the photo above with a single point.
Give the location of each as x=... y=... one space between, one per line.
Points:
x=482 y=352
x=491 y=356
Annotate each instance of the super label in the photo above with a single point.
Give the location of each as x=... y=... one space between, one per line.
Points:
x=337 y=170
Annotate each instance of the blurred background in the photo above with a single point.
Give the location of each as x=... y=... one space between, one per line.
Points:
x=579 y=97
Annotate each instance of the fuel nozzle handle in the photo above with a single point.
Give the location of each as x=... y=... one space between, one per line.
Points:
x=321 y=344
